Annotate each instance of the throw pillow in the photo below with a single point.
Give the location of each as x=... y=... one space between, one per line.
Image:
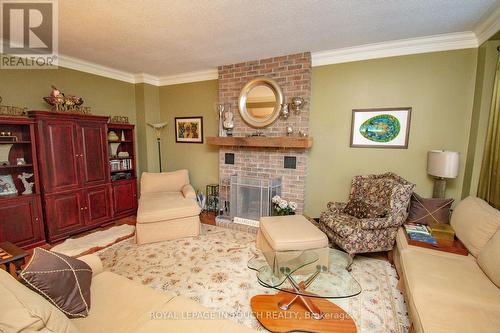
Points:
x=63 y=280
x=364 y=210
x=429 y=210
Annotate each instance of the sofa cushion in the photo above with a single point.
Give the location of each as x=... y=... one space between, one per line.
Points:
x=120 y=305
x=475 y=222
x=449 y=276
x=164 y=181
x=489 y=259
x=164 y=206
x=292 y=232
x=22 y=310
x=63 y=280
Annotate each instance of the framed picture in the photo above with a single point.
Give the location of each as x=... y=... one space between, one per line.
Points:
x=7 y=186
x=380 y=128
x=189 y=129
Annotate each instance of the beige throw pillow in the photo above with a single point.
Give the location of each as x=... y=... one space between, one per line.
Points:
x=489 y=259
x=475 y=222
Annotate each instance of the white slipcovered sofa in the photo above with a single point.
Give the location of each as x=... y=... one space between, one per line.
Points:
x=447 y=292
x=117 y=305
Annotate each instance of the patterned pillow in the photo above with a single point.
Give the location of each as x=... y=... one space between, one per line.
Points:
x=63 y=280
x=363 y=210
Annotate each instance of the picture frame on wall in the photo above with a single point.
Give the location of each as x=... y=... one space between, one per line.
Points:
x=381 y=128
x=189 y=129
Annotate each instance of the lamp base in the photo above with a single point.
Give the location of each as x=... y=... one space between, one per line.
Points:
x=439 y=188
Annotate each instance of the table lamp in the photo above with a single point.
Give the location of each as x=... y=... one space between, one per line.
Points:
x=442 y=164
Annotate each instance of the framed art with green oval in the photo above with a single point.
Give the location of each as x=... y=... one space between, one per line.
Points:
x=380 y=128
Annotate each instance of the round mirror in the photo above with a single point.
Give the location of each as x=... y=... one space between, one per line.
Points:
x=260 y=102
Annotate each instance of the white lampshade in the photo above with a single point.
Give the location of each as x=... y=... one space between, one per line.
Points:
x=442 y=163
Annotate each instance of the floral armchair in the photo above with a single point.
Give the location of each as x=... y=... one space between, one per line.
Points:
x=388 y=192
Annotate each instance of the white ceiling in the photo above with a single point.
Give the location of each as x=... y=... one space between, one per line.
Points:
x=169 y=37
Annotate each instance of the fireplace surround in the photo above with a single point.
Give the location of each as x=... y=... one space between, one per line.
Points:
x=293 y=74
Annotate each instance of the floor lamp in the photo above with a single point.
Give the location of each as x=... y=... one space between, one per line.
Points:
x=158 y=127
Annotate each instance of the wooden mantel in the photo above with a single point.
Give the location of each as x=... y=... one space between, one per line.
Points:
x=262 y=141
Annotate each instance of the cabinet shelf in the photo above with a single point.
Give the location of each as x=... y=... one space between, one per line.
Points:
x=121 y=170
x=14 y=142
x=16 y=166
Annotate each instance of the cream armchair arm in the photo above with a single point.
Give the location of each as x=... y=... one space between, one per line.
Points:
x=188 y=192
x=94 y=262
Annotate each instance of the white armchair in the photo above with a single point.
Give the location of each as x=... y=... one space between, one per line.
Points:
x=167 y=207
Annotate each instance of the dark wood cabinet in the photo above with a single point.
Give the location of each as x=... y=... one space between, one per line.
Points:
x=124 y=197
x=64 y=213
x=75 y=177
x=59 y=147
x=21 y=218
x=97 y=208
x=93 y=153
x=21 y=221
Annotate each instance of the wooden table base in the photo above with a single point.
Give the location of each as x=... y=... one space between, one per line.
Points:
x=298 y=318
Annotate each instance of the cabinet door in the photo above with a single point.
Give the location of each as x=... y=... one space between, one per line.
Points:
x=60 y=156
x=97 y=204
x=64 y=214
x=93 y=153
x=21 y=222
x=124 y=196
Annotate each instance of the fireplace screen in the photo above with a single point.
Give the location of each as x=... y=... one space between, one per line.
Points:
x=251 y=197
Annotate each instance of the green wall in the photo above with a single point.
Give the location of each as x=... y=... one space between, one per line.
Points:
x=147 y=103
x=438 y=86
x=189 y=100
x=21 y=87
x=485 y=79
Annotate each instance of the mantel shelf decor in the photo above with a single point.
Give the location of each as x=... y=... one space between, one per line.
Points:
x=263 y=142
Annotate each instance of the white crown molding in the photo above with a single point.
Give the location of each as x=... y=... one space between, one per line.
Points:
x=92 y=68
x=209 y=74
x=488 y=27
x=445 y=42
x=146 y=78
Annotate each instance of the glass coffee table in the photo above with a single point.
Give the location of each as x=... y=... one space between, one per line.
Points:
x=304 y=281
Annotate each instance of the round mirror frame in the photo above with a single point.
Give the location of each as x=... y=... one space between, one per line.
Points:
x=242 y=102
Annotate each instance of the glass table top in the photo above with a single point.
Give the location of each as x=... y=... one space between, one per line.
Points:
x=315 y=273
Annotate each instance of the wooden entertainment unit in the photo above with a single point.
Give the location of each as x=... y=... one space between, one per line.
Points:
x=73 y=180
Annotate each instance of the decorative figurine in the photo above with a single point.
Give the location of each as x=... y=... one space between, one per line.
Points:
x=220 y=112
x=284 y=111
x=228 y=121
x=112 y=136
x=122 y=139
x=302 y=133
x=28 y=186
x=297 y=104
x=289 y=130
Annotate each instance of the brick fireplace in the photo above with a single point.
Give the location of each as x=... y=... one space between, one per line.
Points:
x=293 y=74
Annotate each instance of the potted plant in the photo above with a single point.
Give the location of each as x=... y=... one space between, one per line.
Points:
x=282 y=207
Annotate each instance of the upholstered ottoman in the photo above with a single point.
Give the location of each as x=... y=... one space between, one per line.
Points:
x=290 y=233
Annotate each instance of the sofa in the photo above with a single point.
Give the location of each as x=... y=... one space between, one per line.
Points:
x=117 y=305
x=167 y=207
x=387 y=192
x=448 y=292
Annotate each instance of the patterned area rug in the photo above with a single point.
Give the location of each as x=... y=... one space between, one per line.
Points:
x=212 y=269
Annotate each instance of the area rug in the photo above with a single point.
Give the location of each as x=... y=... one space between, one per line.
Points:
x=212 y=270
x=75 y=247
